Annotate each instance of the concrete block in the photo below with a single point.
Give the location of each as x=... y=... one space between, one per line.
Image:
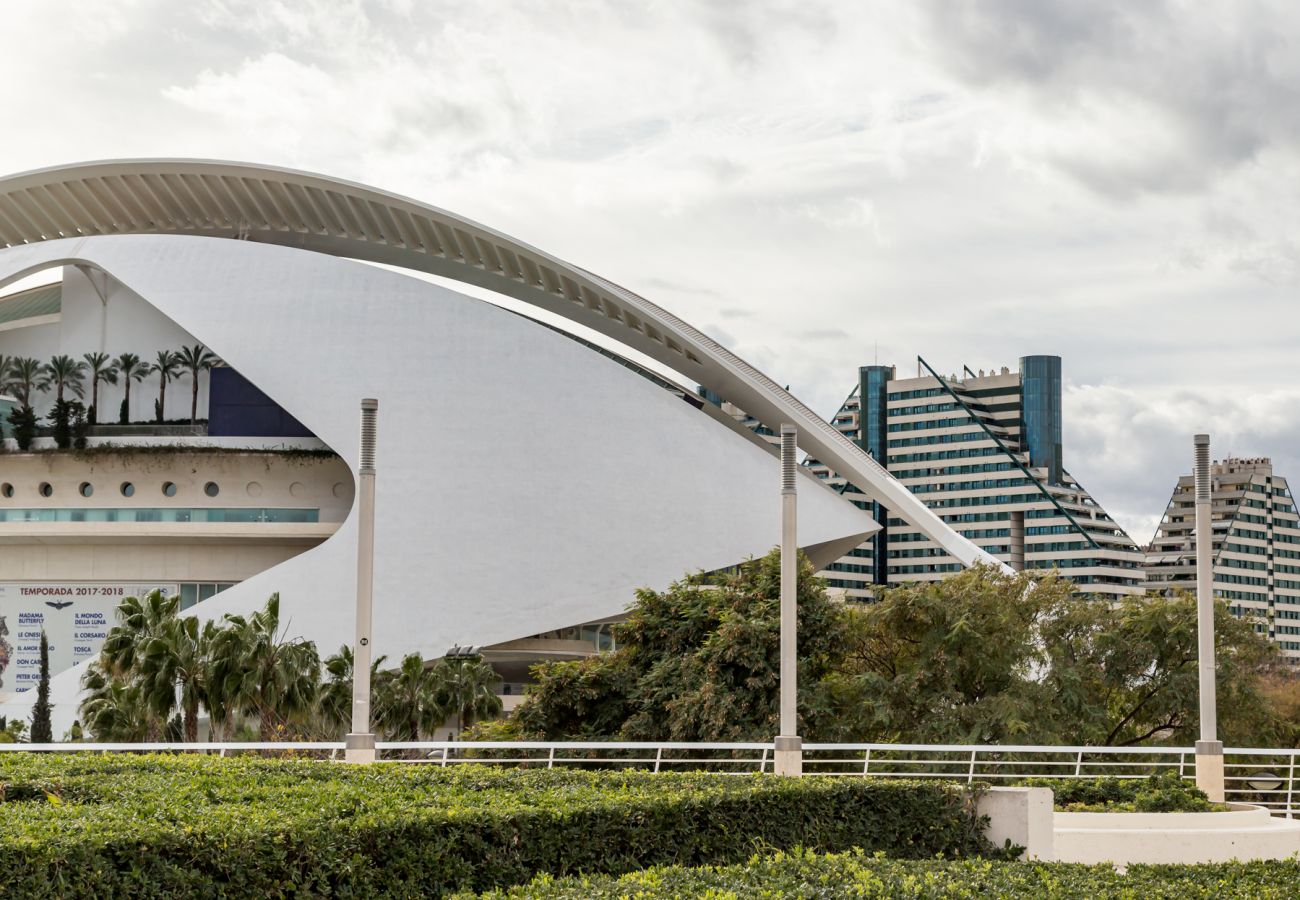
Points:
x=1021 y=815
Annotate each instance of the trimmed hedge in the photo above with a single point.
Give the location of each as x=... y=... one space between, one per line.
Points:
x=154 y=826
x=1165 y=792
x=859 y=875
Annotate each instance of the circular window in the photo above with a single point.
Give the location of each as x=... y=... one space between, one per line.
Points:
x=86 y=489
x=296 y=489
x=169 y=489
x=254 y=489
x=7 y=490
x=46 y=489
x=211 y=489
x=128 y=489
x=339 y=490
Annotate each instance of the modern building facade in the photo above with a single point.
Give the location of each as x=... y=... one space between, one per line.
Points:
x=265 y=267
x=985 y=453
x=1256 y=546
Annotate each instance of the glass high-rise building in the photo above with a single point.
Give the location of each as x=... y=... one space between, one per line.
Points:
x=985 y=452
x=1256 y=541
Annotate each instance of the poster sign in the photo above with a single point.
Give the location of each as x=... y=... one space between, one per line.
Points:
x=75 y=617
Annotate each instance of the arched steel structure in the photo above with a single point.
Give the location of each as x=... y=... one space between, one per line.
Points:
x=327 y=215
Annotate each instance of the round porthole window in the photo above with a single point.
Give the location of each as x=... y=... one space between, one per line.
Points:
x=46 y=489
x=86 y=489
x=212 y=489
x=6 y=490
x=128 y=489
x=169 y=489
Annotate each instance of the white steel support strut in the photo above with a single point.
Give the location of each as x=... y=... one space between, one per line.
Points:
x=788 y=746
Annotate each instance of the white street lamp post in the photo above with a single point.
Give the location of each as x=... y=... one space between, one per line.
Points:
x=359 y=746
x=1209 y=749
x=788 y=745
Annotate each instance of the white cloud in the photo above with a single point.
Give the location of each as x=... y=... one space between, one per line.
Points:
x=1118 y=183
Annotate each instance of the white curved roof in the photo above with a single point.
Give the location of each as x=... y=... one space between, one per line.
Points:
x=328 y=215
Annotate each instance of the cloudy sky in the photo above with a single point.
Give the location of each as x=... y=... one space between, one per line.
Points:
x=818 y=184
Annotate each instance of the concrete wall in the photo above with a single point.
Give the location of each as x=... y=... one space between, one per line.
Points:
x=243 y=479
x=149 y=551
x=525 y=482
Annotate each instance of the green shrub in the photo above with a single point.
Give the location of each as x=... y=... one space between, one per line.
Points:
x=23 y=422
x=73 y=826
x=859 y=875
x=1166 y=792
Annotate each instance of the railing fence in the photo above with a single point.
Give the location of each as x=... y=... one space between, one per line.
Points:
x=1265 y=777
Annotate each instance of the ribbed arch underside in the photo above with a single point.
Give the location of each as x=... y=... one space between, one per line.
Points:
x=298 y=209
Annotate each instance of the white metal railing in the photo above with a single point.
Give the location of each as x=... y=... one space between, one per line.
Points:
x=1266 y=777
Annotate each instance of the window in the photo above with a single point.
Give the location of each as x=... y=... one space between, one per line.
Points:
x=128 y=489
x=169 y=489
x=6 y=490
x=211 y=489
x=46 y=489
x=86 y=489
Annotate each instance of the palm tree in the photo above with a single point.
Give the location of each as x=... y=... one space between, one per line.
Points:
x=409 y=701
x=115 y=710
x=139 y=620
x=334 y=700
x=469 y=688
x=64 y=372
x=131 y=368
x=263 y=672
x=101 y=368
x=173 y=665
x=165 y=366
x=194 y=360
x=25 y=376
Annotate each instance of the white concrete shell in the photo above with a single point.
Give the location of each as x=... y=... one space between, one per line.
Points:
x=593 y=482
x=327 y=215
x=526 y=483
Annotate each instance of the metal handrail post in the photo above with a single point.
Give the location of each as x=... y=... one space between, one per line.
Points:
x=1290 y=788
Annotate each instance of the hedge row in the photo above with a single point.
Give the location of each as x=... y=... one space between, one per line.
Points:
x=150 y=826
x=858 y=875
x=1167 y=792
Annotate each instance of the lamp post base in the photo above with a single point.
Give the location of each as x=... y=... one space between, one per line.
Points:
x=359 y=748
x=788 y=756
x=1209 y=769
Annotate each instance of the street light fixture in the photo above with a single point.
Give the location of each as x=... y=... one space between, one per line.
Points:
x=1209 y=749
x=359 y=745
x=1264 y=782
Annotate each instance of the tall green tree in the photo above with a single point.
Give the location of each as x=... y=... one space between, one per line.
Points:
x=195 y=360
x=113 y=709
x=165 y=366
x=174 y=669
x=100 y=366
x=26 y=376
x=697 y=662
x=42 y=732
x=130 y=367
x=980 y=657
x=264 y=672
x=988 y=657
x=410 y=702
x=139 y=620
x=64 y=373
x=468 y=688
x=334 y=699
